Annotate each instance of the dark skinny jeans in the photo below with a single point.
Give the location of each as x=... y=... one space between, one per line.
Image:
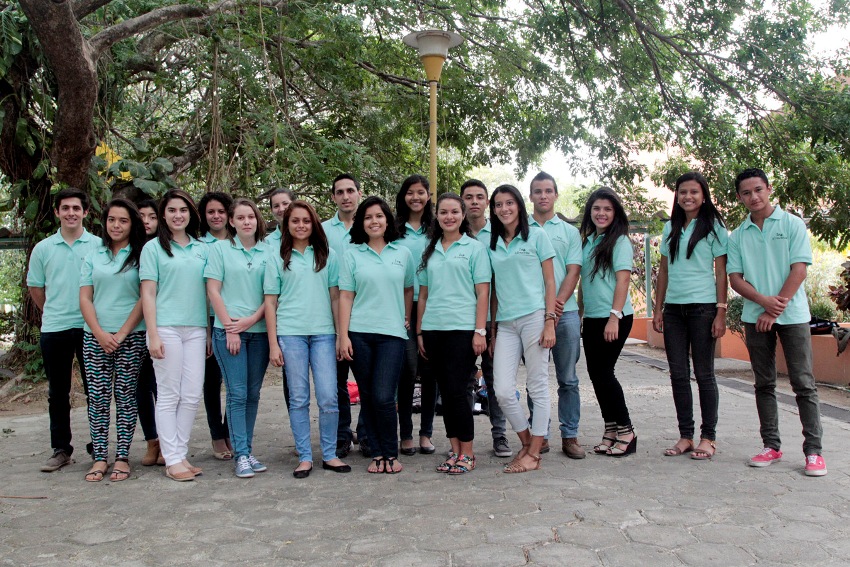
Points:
x=58 y=350
x=452 y=360
x=601 y=357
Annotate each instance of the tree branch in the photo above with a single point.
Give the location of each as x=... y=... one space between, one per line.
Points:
x=83 y=8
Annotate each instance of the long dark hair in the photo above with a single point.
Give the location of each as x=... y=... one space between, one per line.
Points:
x=603 y=255
x=706 y=217
x=318 y=240
x=223 y=198
x=436 y=231
x=137 y=232
x=259 y=232
x=497 y=229
x=402 y=211
x=358 y=233
x=163 y=233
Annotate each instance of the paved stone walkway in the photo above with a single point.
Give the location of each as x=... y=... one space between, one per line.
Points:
x=643 y=510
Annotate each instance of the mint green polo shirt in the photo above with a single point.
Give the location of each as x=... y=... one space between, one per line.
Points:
x=55 y=266
x=598 y=292
x=416 y=241
x=764 y=258
x=241 y=275
x=339 y=237
x=114 y=293
x=483 y=237
x=209 y=239
x=450 y=277
x=303 y=297
x=378 y=281
x=273 y=239
x=566 y=241
x=520 y=288
x=692 y=280
x=181 y=294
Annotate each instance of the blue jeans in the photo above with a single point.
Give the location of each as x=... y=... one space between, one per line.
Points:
x=687 y=331
x=302 y=353
x=243 y=379
x=377 y=368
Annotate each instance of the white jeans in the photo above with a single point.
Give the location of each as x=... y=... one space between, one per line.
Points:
x=179 y=387
x=513 y=340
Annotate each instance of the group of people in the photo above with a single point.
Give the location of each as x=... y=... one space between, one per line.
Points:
x=173 y=299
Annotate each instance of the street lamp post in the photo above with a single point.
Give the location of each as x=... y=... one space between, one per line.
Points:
x=433 y=46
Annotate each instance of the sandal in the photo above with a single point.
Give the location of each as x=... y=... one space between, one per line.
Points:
x=675 y=450
x=96 y=474
x=389 y=465
x=602 y=448
x=621 y=448
x=117 y=475
x=225 y=455
x=704 y=454
x=379 y=466
x=464 y=464
x=516 y=467
x=448 y=464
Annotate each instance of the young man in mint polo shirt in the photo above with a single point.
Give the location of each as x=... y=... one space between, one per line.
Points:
x=566 y=240
x=475 y=198
x=767 y=261
x=54 y=266
x=345 y=192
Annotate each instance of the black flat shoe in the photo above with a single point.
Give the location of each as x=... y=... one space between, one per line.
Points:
x=427 y=450
x=302 y=473
x=336 y=468
x=409 y=451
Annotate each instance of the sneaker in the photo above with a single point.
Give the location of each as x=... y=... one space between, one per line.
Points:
x=767 y=457
x=256 y=465
x=501 y=447
x=815 y=465
x=243 y=467
x=59 y=459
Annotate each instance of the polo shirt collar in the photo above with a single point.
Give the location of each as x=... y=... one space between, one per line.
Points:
x=554 y=220
x=464 y=240
x=335 y=220
x=419 y=230
x=84 y=237
x=775 y=215
x=365 y=247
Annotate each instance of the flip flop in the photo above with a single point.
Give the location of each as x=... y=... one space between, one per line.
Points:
x=96 y=475
x=117 y=475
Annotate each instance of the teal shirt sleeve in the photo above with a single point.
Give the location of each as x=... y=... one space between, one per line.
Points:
x=480 y=266
x=544 y=247
x=800 y=248
x=35 y=274
x=346 y=272
x=148 y=264
x=271 y=277
x=734 y=262
x=86 y=271
x=410 y=269
x=333 y=269
x=665 y=239
x=623 y=254
x=719 y=243
x=574 y=255
x=423 y=276
x=214 y=270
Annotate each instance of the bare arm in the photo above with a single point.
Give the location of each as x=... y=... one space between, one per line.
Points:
x=660 y=295
x=568 y=286
x=621 y=291
x=148 y=291
x=718 y=327
x=38 y=297
x=547 y=337
x=420 y=311
x=346 y=301
x=270 y=310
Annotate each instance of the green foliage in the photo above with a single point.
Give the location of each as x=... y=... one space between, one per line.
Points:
x=823 y=309
x=33 y=366
x=734 y=311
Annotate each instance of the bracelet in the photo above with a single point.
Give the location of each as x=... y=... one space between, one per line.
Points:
x=722 y=306
x=551 y=315
x=419 y=334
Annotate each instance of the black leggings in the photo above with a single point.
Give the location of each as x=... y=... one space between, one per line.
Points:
x=601 y=357
x=452 y=361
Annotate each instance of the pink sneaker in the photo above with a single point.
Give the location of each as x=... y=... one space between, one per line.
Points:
x=767 y=457
x=815 y=465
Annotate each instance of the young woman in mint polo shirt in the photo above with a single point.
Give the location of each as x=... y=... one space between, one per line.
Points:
x=454 y=295
x=376 y=296
x=114 y=334
x=175 y=307
x=524 y=315
x=234 y=274
x=690 y=307
x=414 y=217
x=302 y=299
x=605 y=272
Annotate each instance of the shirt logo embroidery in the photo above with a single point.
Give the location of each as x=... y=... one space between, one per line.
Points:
x=398 y=263
x=524 y=252
x=779 y=236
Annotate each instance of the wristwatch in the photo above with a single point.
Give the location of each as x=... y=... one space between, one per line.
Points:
x=482 y=332
x=617 y=314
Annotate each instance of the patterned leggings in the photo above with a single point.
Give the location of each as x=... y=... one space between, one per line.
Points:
x=101 y=367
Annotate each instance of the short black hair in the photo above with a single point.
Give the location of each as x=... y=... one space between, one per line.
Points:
x=148 y=204
x=71 y=193
x=342 y=176
x=748 y=174
x=472 y=183
x=543 y=176
x=358 y=233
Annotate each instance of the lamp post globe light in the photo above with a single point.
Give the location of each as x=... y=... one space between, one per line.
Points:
x=433 y=46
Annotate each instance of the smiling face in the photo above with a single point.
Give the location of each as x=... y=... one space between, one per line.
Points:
x=70 y=213
x=690 y=197
x=754 y=193
x=543 y=195
x=300 y=225
x=507 y=209
x=280 y=202
x=375 y=222
x=176 y=215
x=216 y=216
x=475 y=199
x=449 y=216
x=150 y=220
x=346 y=196
x=416 y=198
x=602 y=214
x=118 y=225
x=244 y=221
